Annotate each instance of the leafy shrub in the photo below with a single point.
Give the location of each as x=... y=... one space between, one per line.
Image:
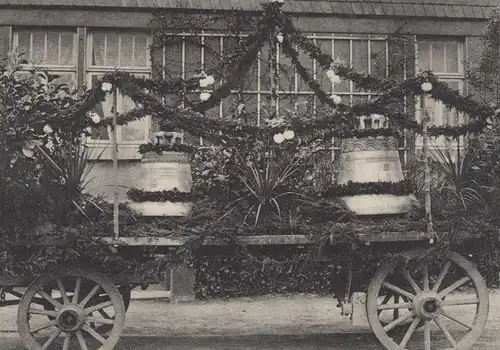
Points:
x=236 y=276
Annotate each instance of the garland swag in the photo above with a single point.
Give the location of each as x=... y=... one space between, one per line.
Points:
x=399 y=188
x=174 y=195
x=158 y=148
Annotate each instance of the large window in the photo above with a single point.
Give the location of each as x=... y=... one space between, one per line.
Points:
x=444 y=56
x=51 y=49
x=367 y=53
x=125 y=51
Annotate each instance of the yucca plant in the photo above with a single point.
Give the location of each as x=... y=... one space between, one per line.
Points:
x=69 y=168
x=266 y=184
x=459 y=177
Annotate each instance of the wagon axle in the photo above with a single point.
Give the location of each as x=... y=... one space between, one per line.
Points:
x=70 y=318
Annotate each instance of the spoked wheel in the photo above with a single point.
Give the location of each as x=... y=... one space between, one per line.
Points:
x=68 y=325
x=386 y=316
x=451 y=300
x=102 y=329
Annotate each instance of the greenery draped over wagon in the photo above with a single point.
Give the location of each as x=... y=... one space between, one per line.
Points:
x=45 y=128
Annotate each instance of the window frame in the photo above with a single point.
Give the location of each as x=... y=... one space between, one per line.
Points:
x=56 y=69
x=127 y=149
x=458 y=77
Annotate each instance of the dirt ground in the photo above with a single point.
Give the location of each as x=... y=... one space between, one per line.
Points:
x=295 y=322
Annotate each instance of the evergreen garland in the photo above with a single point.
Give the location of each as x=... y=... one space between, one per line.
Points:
x=174 y=195
x=400 y=188
x=175 y=147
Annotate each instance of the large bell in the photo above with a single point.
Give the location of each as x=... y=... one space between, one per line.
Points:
x=373 y=159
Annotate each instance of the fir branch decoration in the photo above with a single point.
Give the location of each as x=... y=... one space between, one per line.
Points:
x=400 y=188
x=175 y=147
x=174 y=195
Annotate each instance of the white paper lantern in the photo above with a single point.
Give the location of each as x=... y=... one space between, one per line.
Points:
x=106 y=86
x=280 y=1
x=47 y=129
x=336 y=99
x=210 y=80
x=204 y=96
x=279 y=138
x=289 y=134
x=203 y=83
x=280 y=38
x=426 y=87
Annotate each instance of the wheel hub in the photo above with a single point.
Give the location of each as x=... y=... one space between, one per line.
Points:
x=70 y=318
x=427 y=305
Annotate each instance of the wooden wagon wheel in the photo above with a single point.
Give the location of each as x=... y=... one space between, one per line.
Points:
x=102 y=329
x=426 y=302
x=70 y=327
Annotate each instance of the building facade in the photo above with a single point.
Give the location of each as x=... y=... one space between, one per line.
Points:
x=82 y=39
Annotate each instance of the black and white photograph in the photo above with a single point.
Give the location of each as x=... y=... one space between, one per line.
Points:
x=249 y=174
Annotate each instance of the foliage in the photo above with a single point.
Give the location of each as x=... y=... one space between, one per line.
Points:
x=484 y=73
x=158 y=148
x=458 y=177
x=160 y=196
x=236 y=276
x=402 y=187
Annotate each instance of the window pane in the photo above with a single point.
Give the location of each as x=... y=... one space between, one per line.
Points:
x=287 y=73
x=424 y=56
x=52 y=48
x=173 y=58
x=67 y=49
x=112 y=53
x=141 y=52
x=378 y=59
x=360 y=55
x=127 y=50
x=264 y=68
x=343 y=53
x=212 y=52
x=326 y=47
x=24 y=43
x=437 y=56
x=250 y=101
x=451 y=50
x=38 y=48
x=102 y=132
x=193 y=57
x=307 y=62
x=66 y=78
x=98 y=49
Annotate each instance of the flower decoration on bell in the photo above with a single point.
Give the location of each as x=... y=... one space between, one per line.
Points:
x=278 y=138
x=106 y=86
x=333 y=77
x=426 y=87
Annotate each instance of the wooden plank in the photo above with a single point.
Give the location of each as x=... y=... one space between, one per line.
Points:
x=394 y=236
x=179 y=241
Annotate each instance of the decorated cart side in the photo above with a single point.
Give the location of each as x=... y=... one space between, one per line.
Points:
x=411 y=296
